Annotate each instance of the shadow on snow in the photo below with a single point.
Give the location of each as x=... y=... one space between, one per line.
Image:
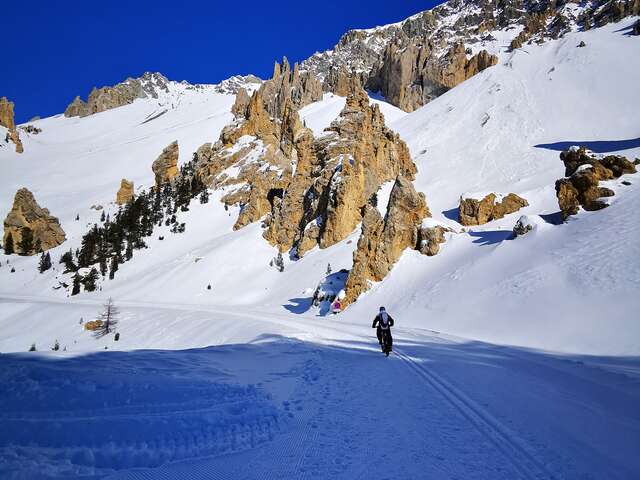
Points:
x=597 y=146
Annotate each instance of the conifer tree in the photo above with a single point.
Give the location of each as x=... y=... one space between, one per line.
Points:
x=90 y=280
x=8 y=245
x=45 y=262
x=67 y=260
x=76 y=284
x=113 y=268
x=26 y=242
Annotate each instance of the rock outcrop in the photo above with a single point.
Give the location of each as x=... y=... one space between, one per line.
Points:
x=287 y=85
x=30 y=227
x=6 y=114
x=77 y=108
x=165 y=167
x=479 y=212
x=336 y=176
x=7 y=121
x=430 y=239
x=584 y=171
x=309 y=191
x=412 y=73
x=125 y=192
x=383 y=240
x=418 y=59
x=124 y=93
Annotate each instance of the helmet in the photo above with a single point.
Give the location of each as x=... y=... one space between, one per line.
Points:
x=382 y=309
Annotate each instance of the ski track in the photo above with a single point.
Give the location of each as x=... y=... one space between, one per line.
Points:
x=505 y=441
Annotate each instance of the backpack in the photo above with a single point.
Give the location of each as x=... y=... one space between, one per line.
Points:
x=384 y=320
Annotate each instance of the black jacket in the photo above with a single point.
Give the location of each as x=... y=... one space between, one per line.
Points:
x=378 y=323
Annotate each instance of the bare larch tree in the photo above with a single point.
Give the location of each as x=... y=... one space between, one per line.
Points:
x=109 y=317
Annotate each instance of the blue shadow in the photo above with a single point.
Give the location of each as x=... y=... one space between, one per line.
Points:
x=452 y=214
x=491 y=237
x=598 y=146
x=299 y=305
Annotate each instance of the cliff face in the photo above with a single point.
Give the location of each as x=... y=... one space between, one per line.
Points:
x=420 y=58
x=383 y=240
x=309 y=191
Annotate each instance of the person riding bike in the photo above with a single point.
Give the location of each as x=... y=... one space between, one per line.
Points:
x=383 y=323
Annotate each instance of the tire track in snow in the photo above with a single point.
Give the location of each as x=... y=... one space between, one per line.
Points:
x=491 y=428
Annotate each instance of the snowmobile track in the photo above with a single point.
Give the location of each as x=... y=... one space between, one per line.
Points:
x=491 y=428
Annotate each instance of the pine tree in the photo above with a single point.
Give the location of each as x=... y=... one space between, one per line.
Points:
x=103 y=217
x=33 y=348
x=45 y=262
x=56 y=346
x=109 y=317
x=113 y=268
x=76 y=284
x=67 y=259
x=279 y=263
x=328 y=269
x=8 y=245
x=26 y=242
x=90 y=280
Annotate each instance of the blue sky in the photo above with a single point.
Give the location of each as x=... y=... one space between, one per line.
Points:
x=54 y=51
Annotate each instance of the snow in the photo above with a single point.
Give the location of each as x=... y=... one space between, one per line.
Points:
x=384 y=193
x=319 y=115
x=514 y=358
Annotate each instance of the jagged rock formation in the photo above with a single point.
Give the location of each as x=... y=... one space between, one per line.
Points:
x=31 y=129
x=383 y=240
x=6 y=114
x=165 y=167
x=336 y=177
x=239 y=107
x=124 y=93
x=412 y=74
x=28 y=218
x=584 y=171
x=125 y=192
x=252 y=160
x=289 y=85
x=309 y=191
x=7 y=121
x=408 y=61
x=478 y=212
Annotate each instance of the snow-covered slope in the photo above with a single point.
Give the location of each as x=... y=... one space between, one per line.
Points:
x=485 y=135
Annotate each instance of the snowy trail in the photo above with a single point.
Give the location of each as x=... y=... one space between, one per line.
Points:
x=315 y=399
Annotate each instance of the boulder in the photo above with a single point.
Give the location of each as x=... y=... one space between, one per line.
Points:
x=430 y=238
x=27 y=215
x=584 y=171
x=125 y=193
x=523 y=226
x=165 y=167
x=479 y=212
x=383 y=240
